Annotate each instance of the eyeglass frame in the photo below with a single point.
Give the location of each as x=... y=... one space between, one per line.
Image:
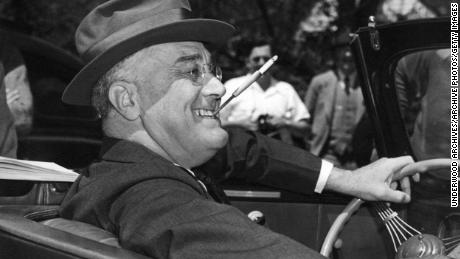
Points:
x=203 y=69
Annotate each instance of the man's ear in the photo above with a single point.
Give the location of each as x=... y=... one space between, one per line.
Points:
x=123 y=97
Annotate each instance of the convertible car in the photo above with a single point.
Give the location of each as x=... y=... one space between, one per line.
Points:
x=30 y=226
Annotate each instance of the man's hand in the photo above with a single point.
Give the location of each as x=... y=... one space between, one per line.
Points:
x=247 y=124
x=296 y=128
x=277 y=122
x=12 y=96
x=376 y=181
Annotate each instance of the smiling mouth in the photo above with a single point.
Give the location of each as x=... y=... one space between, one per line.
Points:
x=206 y=113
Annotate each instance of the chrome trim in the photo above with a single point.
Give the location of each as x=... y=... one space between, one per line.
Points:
x=252 y=194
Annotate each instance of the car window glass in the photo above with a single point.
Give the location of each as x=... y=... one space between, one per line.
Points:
x=422 y=83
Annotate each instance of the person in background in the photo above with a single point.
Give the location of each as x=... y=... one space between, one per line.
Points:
x=423 y=89
x=422 y=82
x=18 y=95
x=335 y=102
x=8 y=139
x=268 y=105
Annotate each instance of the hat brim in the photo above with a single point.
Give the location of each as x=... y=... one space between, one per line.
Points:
x=79 y=91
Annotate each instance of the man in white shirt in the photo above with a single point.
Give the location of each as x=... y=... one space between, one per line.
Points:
x=274 y=103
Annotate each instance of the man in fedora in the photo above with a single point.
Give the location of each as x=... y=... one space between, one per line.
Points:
x=151 y=79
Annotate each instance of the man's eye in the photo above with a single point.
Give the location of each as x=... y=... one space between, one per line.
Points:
x=195 y=73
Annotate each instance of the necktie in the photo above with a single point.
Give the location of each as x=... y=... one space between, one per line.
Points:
x=347 y=84
x=206 y=183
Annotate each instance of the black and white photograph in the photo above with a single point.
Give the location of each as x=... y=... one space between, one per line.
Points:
x=223 y=129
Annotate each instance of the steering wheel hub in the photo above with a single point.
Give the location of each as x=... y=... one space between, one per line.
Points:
x=419 y=246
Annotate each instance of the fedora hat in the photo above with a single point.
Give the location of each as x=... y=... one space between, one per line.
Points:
x=119 y=28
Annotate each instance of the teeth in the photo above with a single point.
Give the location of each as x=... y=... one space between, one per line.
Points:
x=204 y=113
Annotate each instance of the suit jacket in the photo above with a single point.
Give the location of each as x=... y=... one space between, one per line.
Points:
x=320 y=101
x=158 y=209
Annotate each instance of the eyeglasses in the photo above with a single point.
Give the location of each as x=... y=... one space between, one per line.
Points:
x=197 y=73
x=258 y=58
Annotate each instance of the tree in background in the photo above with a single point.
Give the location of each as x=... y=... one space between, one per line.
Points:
x=303 y=32
x=52 y=20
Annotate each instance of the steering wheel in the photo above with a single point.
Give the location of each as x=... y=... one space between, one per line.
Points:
x=353 y=205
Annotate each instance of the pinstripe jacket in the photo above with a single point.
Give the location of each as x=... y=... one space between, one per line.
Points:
x=158 y=209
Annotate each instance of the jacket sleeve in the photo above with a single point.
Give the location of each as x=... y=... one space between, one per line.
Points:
x=168 y=219
x=260 y=159
x=311 y=96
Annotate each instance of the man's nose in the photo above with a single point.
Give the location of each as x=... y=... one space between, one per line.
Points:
x=260 y=62
x=214 y=87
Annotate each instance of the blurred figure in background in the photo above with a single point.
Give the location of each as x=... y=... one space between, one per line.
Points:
x=270 y=106
x=8 y=141
x=335 y=102
x=422 y=81
x=18 y=94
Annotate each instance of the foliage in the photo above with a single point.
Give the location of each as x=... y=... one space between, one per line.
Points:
x=52 y=20
x=302 y=54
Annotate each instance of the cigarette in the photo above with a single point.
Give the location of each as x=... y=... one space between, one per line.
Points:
x=256 y=75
